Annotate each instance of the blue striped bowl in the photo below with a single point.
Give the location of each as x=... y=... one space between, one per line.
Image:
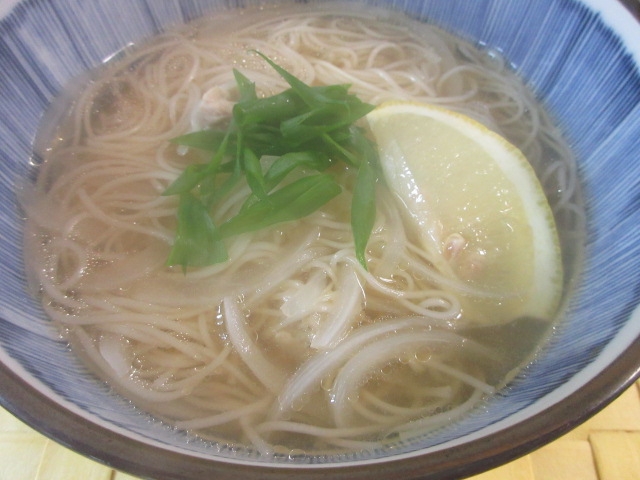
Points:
x=582 y=58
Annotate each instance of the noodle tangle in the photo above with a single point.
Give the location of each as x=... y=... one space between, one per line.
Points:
x=290 y=345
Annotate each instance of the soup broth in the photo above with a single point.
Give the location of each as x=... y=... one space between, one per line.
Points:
x=290 y=345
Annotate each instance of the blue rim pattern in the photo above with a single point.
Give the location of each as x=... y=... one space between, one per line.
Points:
x=584 y=74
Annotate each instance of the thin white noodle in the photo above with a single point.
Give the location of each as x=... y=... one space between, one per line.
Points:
x=98 y=232
x=370 y=359
x=225 y=417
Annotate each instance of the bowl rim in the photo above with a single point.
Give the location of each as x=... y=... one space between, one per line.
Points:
x=71 y=430
x=139 y=458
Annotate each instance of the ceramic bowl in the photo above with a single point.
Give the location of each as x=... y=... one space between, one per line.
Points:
x=581 y=58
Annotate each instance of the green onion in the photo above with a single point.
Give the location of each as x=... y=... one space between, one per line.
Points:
x=363 y=203
x=298 y=133
x=197 y=242
x=291 y=202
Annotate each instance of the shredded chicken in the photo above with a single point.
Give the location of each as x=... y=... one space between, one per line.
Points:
x=216 y=105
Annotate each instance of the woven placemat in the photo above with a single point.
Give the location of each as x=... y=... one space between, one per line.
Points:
x=607 y=447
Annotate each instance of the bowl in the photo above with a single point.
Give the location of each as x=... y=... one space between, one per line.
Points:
x=582 y=60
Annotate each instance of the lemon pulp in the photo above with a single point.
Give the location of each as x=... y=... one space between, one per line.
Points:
x=478 y=208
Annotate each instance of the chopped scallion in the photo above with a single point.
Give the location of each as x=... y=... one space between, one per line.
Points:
x=304 y=129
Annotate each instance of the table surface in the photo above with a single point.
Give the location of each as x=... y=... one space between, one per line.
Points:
x=606 y=447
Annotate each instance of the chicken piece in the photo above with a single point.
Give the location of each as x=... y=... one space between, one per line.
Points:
x=215 y=106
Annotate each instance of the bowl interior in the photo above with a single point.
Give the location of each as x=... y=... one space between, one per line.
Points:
x=586 y=74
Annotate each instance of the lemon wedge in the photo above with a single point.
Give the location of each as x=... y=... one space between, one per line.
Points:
x=478 y=208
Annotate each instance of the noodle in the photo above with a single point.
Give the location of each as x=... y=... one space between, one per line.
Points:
x=291 y=342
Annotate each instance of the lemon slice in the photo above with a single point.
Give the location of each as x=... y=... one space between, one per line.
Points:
x=478 y=208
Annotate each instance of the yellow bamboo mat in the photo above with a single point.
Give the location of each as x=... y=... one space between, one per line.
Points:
x=607 y=447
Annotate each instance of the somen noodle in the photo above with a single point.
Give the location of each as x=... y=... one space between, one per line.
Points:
x=290 y=345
